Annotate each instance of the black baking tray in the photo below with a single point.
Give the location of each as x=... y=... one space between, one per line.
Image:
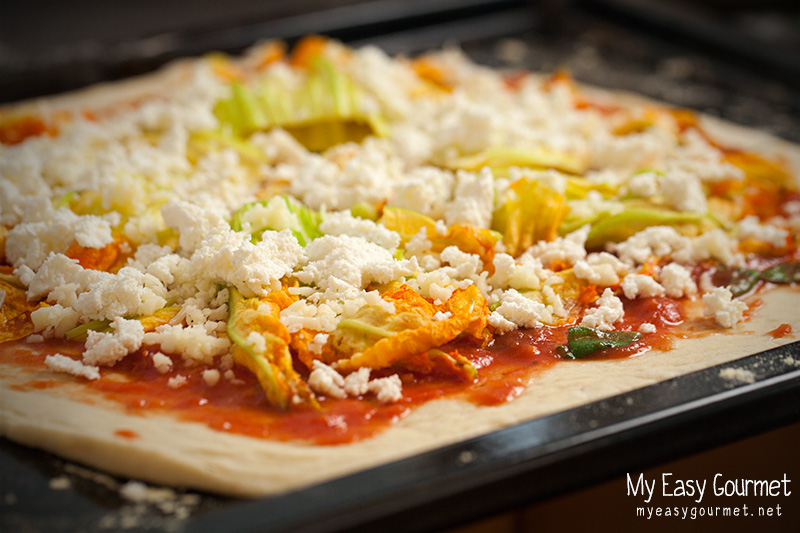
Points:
x=518 y=465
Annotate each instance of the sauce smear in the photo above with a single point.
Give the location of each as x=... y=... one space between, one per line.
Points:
x=784 y=330
x=237 y=404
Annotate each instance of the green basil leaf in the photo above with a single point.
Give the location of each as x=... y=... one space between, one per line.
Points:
x=583 y=341
x=742 y=280
x=788 y=272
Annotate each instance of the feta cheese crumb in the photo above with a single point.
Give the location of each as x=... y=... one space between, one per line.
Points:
x=522 y=311
x=439 y=315
x=609 y=310
x=569 y=249
x=176 y=382
x=720 y=304
x=740 y=375
x=211 y=376
x=751 y=228
x=644 y=184
x=162 y=363
x=387 y=390
x=319 y=341
x=357 y=383
x=62 y=363
x=641 y=285
x=54 y=320
x=683 y=191
x=194 y=343
x=601 y=269
x=325 y=380
x=500 y=323
x=60 y=483
x=343 y=223
x=193 y=223
x=343 y=265
x=677 y=281
x=647 y=327
x=107 y=348
x=255 y=269
x=473 y=200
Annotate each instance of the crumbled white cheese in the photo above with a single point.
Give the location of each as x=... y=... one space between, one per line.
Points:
x=278 y=146
x=473 y=200
x=659 y=241
x=255 y=269
x=677 y=281
x=647 y=327
x=176 y=382
x=93 y=232
x=500 y=323
x=161 y=362
x=714 y=244
x=609 y=311
x=211 y=376
x=344 y=265
x=602 y=274
x=464 y=267
x=62 y=363
x=593 y=205
x=522 y=311
x=256 y=342
x=523 y=274
x=54 y=320
x=644 y=184
x=425 y=190
x=192 y=223
x=683 y=191
x=193 y=343
x=751 y=228
x=327 y=381
x=641 y=285
x=127 y=293
x=437 y=285
x=31 y=243
x=317 y=343
x=346 y=175
x=439 y=315
x=720 y=304
x=388 y=389
x=343 y=223
x=419 y=244
x=569 y=249
x=699 y=158
x=106 y=349
x=647 y=149
x=357 y=383
x=302 y=314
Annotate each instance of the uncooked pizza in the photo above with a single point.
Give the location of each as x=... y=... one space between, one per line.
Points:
x=247 y=275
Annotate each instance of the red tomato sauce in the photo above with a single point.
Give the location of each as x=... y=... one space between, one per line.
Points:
x=784 y=330
x=126 y=434
x=17 y=130
x=504 y=368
